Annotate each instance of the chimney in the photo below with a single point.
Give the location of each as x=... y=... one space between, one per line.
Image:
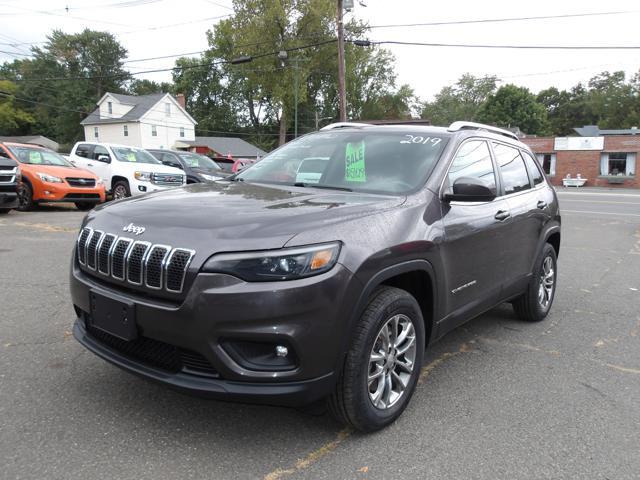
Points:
x=181 y=100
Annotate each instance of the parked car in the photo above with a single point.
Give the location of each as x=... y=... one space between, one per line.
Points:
x=126 y=170
x=198 y=168
x=271 y=291
x=10 y=177
x=48 y=177
x=233 y=165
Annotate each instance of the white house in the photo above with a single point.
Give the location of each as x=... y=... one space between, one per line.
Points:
x=149 y=121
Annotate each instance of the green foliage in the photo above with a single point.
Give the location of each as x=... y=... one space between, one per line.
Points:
x=147 y=87
x=461 y=101
x=93 y=60
x=13 y=120
x=513 y=106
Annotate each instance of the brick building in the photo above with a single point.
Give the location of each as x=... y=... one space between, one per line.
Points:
x=606 y=158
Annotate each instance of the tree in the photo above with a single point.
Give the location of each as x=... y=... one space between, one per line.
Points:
x=460 y=102
x=147 y=87
x=513 y=106
x=66 y=77
x=13 y=120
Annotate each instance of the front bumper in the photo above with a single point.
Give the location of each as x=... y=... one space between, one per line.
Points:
x=60 y=192
x=138 y=188
x=9 y=200
x=310 y=316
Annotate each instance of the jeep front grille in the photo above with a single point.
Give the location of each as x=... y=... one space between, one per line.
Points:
x=135 y=262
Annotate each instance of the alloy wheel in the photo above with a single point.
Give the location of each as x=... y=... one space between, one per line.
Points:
x=392 y=361
x=119 y=192
x=547 y=283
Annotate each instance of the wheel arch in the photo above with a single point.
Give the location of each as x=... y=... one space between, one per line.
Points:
x=414 y=276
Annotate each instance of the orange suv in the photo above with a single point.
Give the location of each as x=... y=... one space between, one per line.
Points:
x=49 y=177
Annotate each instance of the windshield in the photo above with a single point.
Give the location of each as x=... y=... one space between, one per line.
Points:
x=378 y=162
x=39 y=156
x=134 y=155
x=194 y=160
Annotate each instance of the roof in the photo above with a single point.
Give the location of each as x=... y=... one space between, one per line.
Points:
x=141 y=105
x=31 y=139
x=225 y=145
x=594 y=131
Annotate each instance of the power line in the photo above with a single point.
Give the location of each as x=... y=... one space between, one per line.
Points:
x=186 y=67
x=516 y=47
x=508 y=19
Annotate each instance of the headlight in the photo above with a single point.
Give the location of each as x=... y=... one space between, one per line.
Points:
x=49 y=178
x=99 y=182
x=271 y=265
x=211 y=178
x=143 y=176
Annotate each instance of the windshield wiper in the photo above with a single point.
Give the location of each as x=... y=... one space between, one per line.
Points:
x=326 y=187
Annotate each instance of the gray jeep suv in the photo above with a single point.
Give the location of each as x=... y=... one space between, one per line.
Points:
x=266 y=288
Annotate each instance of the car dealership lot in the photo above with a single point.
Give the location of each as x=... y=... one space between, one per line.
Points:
x=498 y=398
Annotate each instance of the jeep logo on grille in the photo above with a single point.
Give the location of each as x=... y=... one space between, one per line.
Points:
x=131 y=228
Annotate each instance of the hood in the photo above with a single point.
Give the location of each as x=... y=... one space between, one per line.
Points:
x=234 y=216
x=151 y=167
x=62 y=172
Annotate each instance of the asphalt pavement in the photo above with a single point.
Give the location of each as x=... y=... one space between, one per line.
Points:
x=498 y=398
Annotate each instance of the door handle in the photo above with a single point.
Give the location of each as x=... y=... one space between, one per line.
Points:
x=542 y=204
x=90 y=164
x=502 y=215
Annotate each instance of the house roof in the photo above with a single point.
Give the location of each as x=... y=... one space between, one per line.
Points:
x=141 y=105
x=594 y=131
x=32 y=139
x=225 y=145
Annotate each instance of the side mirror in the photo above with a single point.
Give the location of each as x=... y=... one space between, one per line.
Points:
x=104 y=158
x=470 y=189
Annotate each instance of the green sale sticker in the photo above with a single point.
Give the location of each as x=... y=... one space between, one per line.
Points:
x=354 y=164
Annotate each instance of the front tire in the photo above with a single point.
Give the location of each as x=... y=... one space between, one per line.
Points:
x=84 y=206
x=25 y=197
x=121 y=190
x=535 y=303
x=383 y=363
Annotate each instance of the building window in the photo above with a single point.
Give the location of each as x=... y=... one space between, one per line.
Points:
x=618 y=164
x=548 y=162
x=182 y=132
x=125 y=130
x=167 y=108
x=154 y=131
x=95 y=132
x=110 y=107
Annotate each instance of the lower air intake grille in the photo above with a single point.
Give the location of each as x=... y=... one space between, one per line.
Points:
x=155 y=353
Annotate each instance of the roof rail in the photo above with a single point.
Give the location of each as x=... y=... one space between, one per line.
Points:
x=333 y=126
x=457 y=126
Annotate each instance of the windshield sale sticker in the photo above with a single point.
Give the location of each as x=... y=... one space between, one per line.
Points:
x=354 y=167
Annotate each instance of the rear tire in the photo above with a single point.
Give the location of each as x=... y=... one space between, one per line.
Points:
x=535 y=303
x=84 y=206
x=121 y=190
x=381 y=368
x=25 y=197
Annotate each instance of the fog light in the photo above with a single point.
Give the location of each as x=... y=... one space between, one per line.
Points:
x=282 y=351
x=47 y=192
x=142 y=188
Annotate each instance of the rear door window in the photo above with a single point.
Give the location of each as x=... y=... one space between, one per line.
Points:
x=534 y=170
x=84 y=150
x=511 y=165
x=98 y=151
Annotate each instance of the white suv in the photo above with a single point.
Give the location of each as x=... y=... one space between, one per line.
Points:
x=125 y=170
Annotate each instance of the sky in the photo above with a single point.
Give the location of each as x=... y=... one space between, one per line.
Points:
x=150 y=28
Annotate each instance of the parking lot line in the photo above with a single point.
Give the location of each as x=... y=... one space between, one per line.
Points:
x=591 y=212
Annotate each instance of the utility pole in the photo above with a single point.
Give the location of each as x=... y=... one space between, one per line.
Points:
x=342 y=92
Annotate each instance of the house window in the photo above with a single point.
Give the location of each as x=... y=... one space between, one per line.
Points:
x=167 y=108
x=125 y=130
x=618 y=164
x=181 y=131
x=154 y=131
x=110 y=107
x=95 y=132
x=548 y=162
